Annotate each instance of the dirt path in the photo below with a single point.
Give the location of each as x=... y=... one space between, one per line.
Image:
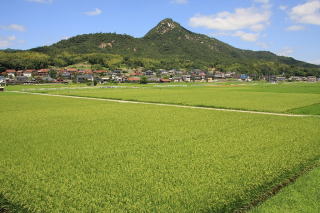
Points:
x=170 y=105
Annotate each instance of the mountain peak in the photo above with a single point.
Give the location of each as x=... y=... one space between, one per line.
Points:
x=165 y=26
x=168 y=21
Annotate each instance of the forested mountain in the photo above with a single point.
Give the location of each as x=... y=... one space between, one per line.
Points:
x=168 y=39
x=169 y=45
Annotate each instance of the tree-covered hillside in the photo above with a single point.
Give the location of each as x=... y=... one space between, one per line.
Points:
x=168 y=45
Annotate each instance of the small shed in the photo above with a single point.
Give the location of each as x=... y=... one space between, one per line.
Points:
x=163 y=80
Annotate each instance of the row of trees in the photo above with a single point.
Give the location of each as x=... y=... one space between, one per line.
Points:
x=34 y=60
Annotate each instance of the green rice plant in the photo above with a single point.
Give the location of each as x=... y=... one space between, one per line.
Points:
x=313 y=109
x=234 y=97
x=301 y=196
x=72 y=155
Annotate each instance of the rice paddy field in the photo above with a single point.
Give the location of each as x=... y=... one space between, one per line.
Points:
x=299 y=98
x=301 y=196
x=59 y=154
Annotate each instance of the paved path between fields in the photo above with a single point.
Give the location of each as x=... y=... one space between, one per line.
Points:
x=172 y=105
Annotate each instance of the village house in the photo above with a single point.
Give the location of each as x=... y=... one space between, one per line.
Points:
x=43 y=72
x=178 y=72
x=245 y=77
x=19 y=73
x=154 y=79
x=28 y=73
x=104 y=80
x=219 y=74
x=2 y=81
x=229 y=74
x=177 y=79
x=196 y=71
x=72 y=70
x=136 y=74
x=133 y=79
x=149 y=73
x=100 y=73
x=281 y=78
x=163 y=72
x=22 y=79
x=164 y=80
x=311 y=78
x=209 y=79
x=11 y=73
x=295 y=78
x=186 y=78
x=64 y=74
x=172 y=72
x=88 y=71
x=83 y=78
x=47 y=79
x=202 y=75
x=116 y=78
x=117 y=72
x=198 y=78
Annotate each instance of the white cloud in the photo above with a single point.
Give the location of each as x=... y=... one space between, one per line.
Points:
x=14 y=27
x=307 y=13
x=242 y=18
x=65 y=38
x=251 y=37
x=95 y=12
x=287 y=51
x=245 y=23
x=245 y=36
x=295 y=28
x=6 y=41
x=41 y=1
x=258 y=27
x=180 y=1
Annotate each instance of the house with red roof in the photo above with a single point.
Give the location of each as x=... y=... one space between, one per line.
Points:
x=100 y=72
x=11 y=73
x=72 y=70
x=133 y=79
x=163 y=80
x=28 y=73
x=43 y=72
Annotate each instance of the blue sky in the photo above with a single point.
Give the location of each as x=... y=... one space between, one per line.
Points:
x=285 y=27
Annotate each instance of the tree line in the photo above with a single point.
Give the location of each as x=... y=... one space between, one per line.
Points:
x=20 y=60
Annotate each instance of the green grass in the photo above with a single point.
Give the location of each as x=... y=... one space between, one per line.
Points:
x=313 y=109
x=41 y=86
x=301 y=196
x=71 y=155
x=73 y=85
x=288 y=87
x=260 y=97
x=8 y=207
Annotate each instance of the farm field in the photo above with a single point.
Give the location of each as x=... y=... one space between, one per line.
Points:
x=299 y=98
x=74 y=155
x=301 y=196
x=42 y=86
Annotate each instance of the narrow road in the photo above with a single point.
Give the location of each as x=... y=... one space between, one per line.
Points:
x=170 y=105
